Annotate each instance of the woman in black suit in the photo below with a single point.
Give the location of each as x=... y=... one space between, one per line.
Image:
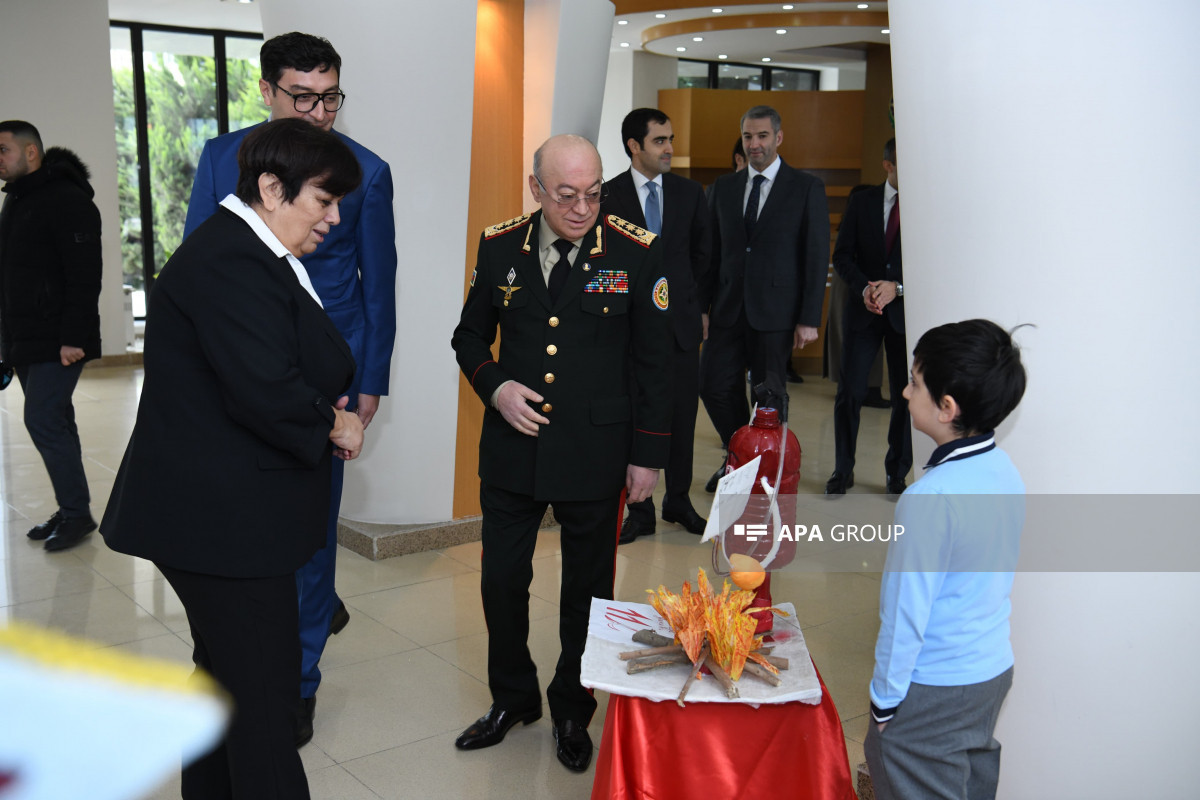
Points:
x=225 y=482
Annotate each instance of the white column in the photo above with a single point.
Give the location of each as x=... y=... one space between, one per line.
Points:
x=566 y=60
x=1051 y=169
x=408 y=72
x=69 y=98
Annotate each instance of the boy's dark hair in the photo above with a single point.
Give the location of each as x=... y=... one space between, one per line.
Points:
x=23 y=132
x=637 y=124
x=302 y=52
x=977 y=364
x=295 y=151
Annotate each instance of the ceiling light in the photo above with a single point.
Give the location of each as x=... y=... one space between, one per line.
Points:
x=680 y=49
x=863 y=5
x=622 y=22
x=722 y=56
x=718 y=10
x=697 y=38
x=624 y=44
x=765 y=60
x=660 y=16
x=886 y=30
x=781 y=31
x=788 y=7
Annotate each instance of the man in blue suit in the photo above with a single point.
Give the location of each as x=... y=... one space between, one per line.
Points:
x=354 y=274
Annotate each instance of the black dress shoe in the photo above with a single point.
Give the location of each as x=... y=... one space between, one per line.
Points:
x=340 y=618
x=711 y=486
x=895 y=485
x=70 y=532
x=793 y=376
x=874 y=399
x=304 y=720
x=574 y=745
x=690 y=520
x=43 y=530
x=838 y=483
x=492 y=726
x=633 y=527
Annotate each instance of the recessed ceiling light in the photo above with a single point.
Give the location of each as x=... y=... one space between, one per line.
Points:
x=781 y=31
x=788 y=7
x=766 y=60
x=697 y=38
x=680 y=49
x=863 y=5
x=622 y=22
x=718 y=10
x=886 y=30
x=722 y=56
x=660 y=16
x=624 y=44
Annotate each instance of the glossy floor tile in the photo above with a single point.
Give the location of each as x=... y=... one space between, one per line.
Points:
x=410 y=670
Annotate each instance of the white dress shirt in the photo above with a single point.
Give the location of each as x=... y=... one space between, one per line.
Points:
x=769 y=173
x=639 y=183
x=889 y=199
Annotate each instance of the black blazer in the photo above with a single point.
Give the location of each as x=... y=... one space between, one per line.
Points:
x=228 y=468
x=685 y=239
x=609 y=329
x=859 y=257
x=779 y=275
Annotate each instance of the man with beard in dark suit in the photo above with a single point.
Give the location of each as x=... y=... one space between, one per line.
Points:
x=868 y=258
x=648 y=194
x=770 y=255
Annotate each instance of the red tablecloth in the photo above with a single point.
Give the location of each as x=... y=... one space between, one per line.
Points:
x=723 y=751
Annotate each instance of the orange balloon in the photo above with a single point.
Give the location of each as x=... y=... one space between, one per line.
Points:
x=746 y=572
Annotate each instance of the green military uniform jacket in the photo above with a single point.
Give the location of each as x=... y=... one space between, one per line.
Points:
x=598 y=356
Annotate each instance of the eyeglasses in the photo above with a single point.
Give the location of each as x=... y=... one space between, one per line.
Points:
x=307 y=101
x=569 y=199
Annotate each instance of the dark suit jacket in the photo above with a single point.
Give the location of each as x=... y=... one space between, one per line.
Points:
x=685 y=240
x=859 y=257
x=228 y=468
x=779 y=275
x=609 y=326
x=354 y=269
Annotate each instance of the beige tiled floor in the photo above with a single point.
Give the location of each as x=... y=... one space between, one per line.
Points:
x=409 y=672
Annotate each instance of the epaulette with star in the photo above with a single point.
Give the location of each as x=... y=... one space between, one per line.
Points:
x=504 y=227
x=631 y=231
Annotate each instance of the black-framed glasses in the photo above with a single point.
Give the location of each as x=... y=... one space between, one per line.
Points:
x=569 y=199
x=307 y=101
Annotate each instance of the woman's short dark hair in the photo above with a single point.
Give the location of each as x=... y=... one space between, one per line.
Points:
x=976 y=363
x=295 y=152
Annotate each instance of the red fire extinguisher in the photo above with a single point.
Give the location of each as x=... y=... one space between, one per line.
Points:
x=764 y=438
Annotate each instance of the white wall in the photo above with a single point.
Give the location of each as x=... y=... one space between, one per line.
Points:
x=70 y=100
x=398 y=59
x=566 y=60
x=1050 y=176
x=634 y=78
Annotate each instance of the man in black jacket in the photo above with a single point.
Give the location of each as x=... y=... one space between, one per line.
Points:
x=50 y=269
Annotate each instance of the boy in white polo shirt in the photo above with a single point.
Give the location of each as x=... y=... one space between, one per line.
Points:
x=943 y=660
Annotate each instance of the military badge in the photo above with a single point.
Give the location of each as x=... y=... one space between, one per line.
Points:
x=474 y=275
x=613 y=281
x=660 y=294
x=495 y=230
x=508 y=290
x=637 y=234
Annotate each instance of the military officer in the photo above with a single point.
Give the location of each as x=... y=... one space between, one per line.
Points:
x=581 y=304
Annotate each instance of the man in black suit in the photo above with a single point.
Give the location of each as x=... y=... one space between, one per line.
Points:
x=650 y=196
x=770 y=226
x=578 y=415
x=868 y=258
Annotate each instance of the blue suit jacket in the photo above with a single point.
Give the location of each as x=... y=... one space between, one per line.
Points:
x=353 y=270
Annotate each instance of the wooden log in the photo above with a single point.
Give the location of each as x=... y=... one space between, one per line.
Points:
x=731 y=690
x=650 y=651
x=654 y=662
x=761 y=672
x=778 y=662
x=695 y=673
x=647 y=636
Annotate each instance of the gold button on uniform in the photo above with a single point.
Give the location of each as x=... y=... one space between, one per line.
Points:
x=606 y=309
x=554 y=322
x=551 y=350
x=549 y=377
x=547 y=407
